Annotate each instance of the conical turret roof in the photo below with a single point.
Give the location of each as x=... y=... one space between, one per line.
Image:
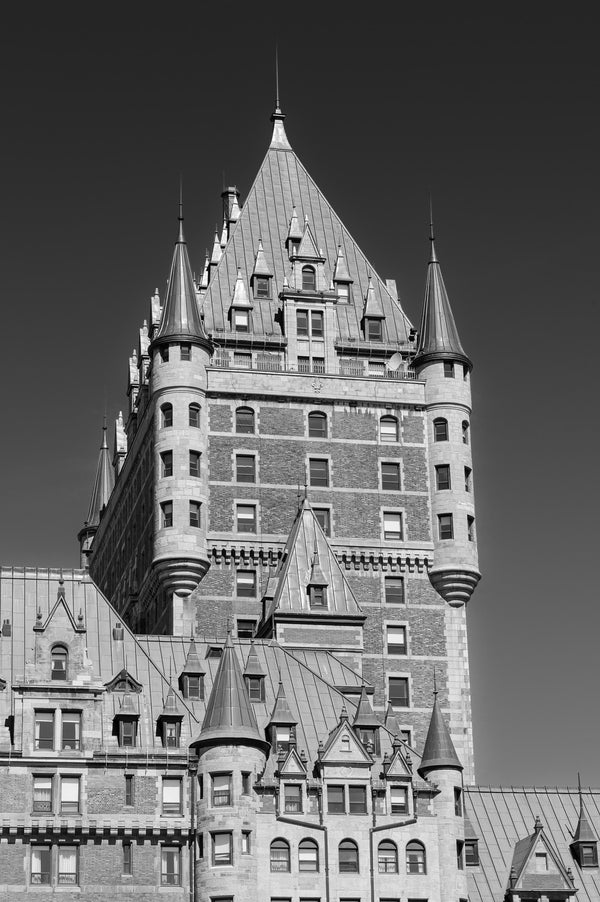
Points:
x=171 y=709
x=261 y=267
x=439 y=749
x=438 y=335
x=253 y=667
x=365 y=716
x=281 y=710
x=583 y=831
x=229 y=717
x=181 y=317
x=103 y=483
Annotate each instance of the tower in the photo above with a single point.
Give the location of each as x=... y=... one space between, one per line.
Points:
x=103 y=486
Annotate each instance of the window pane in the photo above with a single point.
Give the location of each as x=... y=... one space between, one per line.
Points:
x=392 y=527
x=246 y=518
x=245 y=468
x=440 y=430
x=169 y=867
x=42 y=793
x=394 y=590
x=70 y=729
x=358 y=799
x=399 y=799
x=390 y=477
x=336 y=800
x=244 y=420
x=319 y=472
x=69 y=794
x=348 y=857
x=194 y=463
x=316 y=322
x=309 y=282
x=59 y=664
x=194 y=411
x=399 y=692
x=442 y=477
x=195 y=514
x=241 y=321
x=261 y=288
x=396 y=640
x=221 y=789
x=44 y=729
x=302 y=322
x=446 y=529
x=374 y=329
x=40 y=864
x=317 y=425
x=280 y=855
x=323 y=518
x=388 y=429
x=448 y=369
x=166 y=415
x=293 y=797
x=185 y=351
x=67 y=865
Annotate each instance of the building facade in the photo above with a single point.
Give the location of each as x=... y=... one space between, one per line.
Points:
x=257 y=684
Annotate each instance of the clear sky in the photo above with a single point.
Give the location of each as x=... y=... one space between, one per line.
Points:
x=495 y=113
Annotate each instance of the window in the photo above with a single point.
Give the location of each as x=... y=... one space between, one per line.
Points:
x=541 y=862
x=171 y=796
x=343 y=291
x=185 y=351
x=357 y=796
x=40 y=864
x=127 y=733
x=221 y=790
x=245 y=468
x=388 y=429
x=348 y=857
x=256 y=688
x=470 y=528
x=170 y=734
x=195 y=514
x=345 y=744
x=588 y=855
x=194 y=415
x=166 y=463
x=318 y=472
x=460 y=862
x=309 y=323
x=194 y=463
x=387 y=857
x=471 y=853
x=442 y=477
x=458 y=801
x=129 y=790
x=398 y=692
x=465 y=432
x=164 y=353
x=468 y=481
x=166 y=514
x=445 y=526
x=373 y=328
x=246 y=783
x=193 y=686
x=243 y=360
x=281 y=738
x=415 y=858
x=244 y=420
x=166 y=415
x=406 y=736
x=246 y=517
x=262 y=287
x=170 y=866
x=292 y=797
x=390 y=477
x=246 y=628
x=396 y=640
x=448 y=369
x=67 y=866
x=246 y=842
x=71 y=724
x=369 y=736
x=241 y=320
x=399 y=799
x=323 y=515
x=280 y=855
x=69 y=795
x=317 y=425
x=440 y=430
x=42 y=793
x=336 y=799
x=392 y=527
x=394 y=590
x=127 y=858
x=317 y=596
x=59 y=662
x=309 y=279
x=308 y=855
x=302 y=322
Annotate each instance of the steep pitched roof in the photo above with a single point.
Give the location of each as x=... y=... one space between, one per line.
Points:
x=103 y=483
x=281 y=184
x=365 y=716
x=439 y=749
x=524 y=875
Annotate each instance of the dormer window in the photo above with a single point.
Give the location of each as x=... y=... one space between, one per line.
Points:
x=309 y=278
x=373 y=329
x=317 y=596
x=369 y=736
x=256 y=688
x=281 y=738
x=171 y=730
x=59 y=662
x=127 y=732
x=343 y=292
x=262 y=287
x=193 y=685
x=241 y=320
x=588 y=855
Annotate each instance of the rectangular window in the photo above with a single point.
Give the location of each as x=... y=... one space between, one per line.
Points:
x=406 y=736
x=336 y=800
x=195 y=514
x=246 y=517
x=246 y=842
x=246 y=628
x=316 y=324
x=394 y=590
x=256 y=688
x=323 y=515
x=245 y=584
x=241 y=320
x=171 y=796
x=458 y=801
x=245 y=468
x=302 y=322
x=304 y=364
x=468 y=481
x=442 y=477
x=41 y=857
x=195 y=463
x=71 y=726
x=246 y=783
x=194 y=686
x=440 y=430
x=44 y=729
x=398 y=692
x=222 y=849
x=69 y=795
x=166 y=463
x=67 y=866
x=221 y=790
x=318 y=472
x=170 y=734
x=317 y=596
x=242 y=360
x=460 y=863
x=399 y=799
x=396 y=640
x=127 y=732
x=164 y=353
x=470 y=528
x=357 y=796
x=170 y=866
x=390 y=477
x=445 y=526
x=374 y=330
x=541 y=862
x=448 y=369
x=127 y=858
x=166 y=514
x=292 y=795
x=262 y=287
x=194 y=415
x=588 y=857
x=392 y=527
x=42 y=793
x=185 y=351
x=129 y=790
x=318 y=365
x=471 y=853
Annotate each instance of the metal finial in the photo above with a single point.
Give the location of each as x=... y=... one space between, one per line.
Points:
x=305 y=489
x=435 y=689
x=433 y=258
x=277 y=107
x=180 y=217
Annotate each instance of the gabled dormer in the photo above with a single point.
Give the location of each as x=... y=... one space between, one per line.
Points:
x=294 y=235
x=293 y=765
x=254 y=676
x=537 y=870
x=317 y=583
x=125 y=721
x=240 y=312
x=168 y=726
x=191 y=678
x=397 y=776
x=342 y=283
x=366 y=724
x=60 y=647
x=262 y=276
x=123 y=682
x=373 y=315
x=308 y=276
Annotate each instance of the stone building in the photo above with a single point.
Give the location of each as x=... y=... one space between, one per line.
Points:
x=257 y=684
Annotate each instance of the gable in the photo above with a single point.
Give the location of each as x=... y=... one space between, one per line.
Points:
x=292 y=766
x=344 y=748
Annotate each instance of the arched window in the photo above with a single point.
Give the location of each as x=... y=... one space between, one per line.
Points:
x=465 y=432
x=280 y=855
x=348 y=857
x=309 y=279
x=59 y=662
x=308 y=855
x=195 y=415
x=440 y=430
x=388 y=429
x=415 y=858
x=387 y=857
x=166 y=415
x=244 y=420
x=317 y=424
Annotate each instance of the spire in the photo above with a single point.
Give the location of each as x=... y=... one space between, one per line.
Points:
x=181 y=318
x=391 y=721
x=217 y=252
x=205 y=272
x=279 y=140
x=253 y=667
x=583 y=831
x=103 y=484
x=229 y=717
x=261 y=267
x=438 y=335
x=294 y=235
x=171 y=709
x=240 y=293
x=224 y=234
x=340 y=273
x=439 y=751
x=373 y=308
x=281 y=710
x=317 y=577
x=365 y=716
x=192 y=662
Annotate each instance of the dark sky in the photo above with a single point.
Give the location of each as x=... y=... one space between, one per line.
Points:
x=495 y=113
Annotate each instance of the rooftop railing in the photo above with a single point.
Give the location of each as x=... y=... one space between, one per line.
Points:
x=358 y=370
